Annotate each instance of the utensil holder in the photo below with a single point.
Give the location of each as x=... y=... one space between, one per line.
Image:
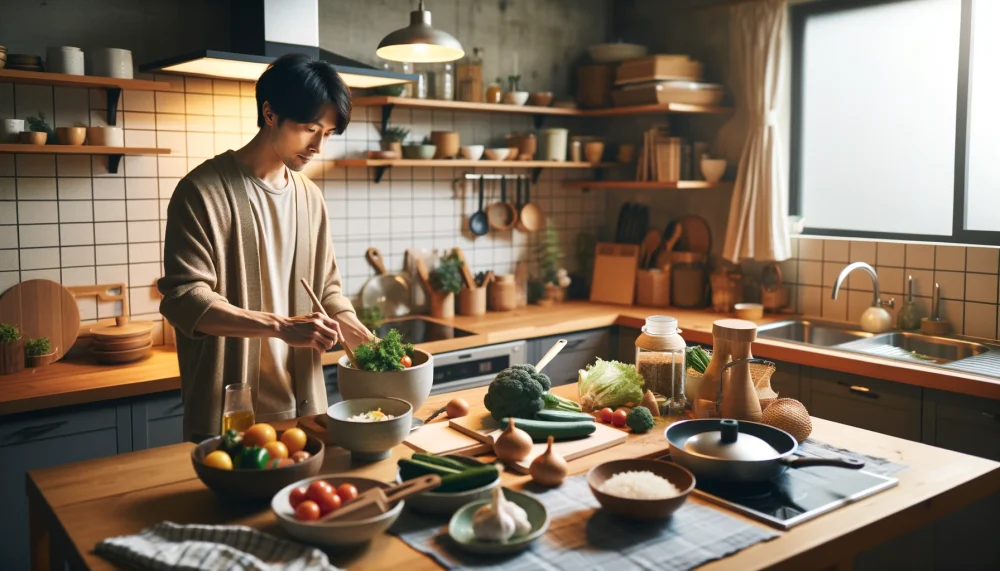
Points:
x=503 y=294
x=652 y=288
x=442 y=305
x=472 y=301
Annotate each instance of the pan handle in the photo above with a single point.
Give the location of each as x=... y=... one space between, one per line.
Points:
x=849 y=463
x=718 y=400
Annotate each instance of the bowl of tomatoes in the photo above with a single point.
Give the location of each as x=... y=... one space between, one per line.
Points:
x=255 y=464
x=299 y=505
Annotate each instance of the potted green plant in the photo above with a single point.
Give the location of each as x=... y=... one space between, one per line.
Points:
x=392 y=139
x=514 y=95
x=11 y=350
x=39 y=352
x=554 y=277
x=445 y=281
x=39 y=131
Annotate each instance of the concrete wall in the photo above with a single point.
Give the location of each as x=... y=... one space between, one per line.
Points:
x=549 y=36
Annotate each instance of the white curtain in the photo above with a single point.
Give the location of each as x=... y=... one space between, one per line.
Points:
x=757 y=227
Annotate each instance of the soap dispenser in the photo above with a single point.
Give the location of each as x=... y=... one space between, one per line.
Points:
x=909 y=315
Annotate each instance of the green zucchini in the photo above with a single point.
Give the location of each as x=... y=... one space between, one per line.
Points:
x=468 y=480
x=441 y=461
x=410 y=468
x=540 y=430
x=563 y=416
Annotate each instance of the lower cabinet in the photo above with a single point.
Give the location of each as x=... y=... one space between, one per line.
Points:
x=43 y=439
x=872 y=404
x=580 y=351
x=157 y=420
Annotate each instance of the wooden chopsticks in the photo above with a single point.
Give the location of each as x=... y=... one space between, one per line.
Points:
x=343 y=342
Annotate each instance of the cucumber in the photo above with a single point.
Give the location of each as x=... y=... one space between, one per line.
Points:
x=540 y=430
x=441 y=461
x=563 y=416
x=467 y=480
x=410 y=468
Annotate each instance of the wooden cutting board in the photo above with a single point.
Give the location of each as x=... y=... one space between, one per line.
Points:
x=485 y=429
x=440 y=438
x=614 y=273
x=43 y=308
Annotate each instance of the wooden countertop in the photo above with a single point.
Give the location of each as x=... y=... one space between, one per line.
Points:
x=79 y=381
x=83 y=503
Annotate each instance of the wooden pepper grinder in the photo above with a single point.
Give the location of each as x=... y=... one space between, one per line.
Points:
x=732 y=339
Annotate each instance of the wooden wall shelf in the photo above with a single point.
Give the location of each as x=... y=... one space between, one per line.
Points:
x=111 y=85
x=636 y=185
x=539 y=113
x=114 y=154
x=381 y=166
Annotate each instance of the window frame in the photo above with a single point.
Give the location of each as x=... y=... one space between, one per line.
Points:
x=799 y=14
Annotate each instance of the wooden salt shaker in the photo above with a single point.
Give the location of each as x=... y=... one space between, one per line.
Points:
x=739 y=396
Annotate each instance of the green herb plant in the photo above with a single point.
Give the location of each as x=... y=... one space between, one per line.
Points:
x=447 y=277
x=513 y=82
x=38 y=124
x=9 y=333
x=548 y=254
x=381 y=355
x=37 y=347
x=427 y=141
x=395 y=134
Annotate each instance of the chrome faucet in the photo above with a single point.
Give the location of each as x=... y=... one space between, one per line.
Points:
x=875 y=319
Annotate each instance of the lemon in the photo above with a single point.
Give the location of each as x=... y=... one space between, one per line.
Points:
x=219 y=460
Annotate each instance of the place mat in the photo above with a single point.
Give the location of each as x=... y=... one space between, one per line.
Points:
x=873 y=464
x=581 y=536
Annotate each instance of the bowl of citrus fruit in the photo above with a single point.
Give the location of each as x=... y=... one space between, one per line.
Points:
x=255 y=464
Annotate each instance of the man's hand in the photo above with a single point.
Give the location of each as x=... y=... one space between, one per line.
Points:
x=314 y=330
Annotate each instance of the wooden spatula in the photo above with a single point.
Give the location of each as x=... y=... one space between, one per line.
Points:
x=551 y=354
x=377 y=501
x=319 y=306
x=467 y=277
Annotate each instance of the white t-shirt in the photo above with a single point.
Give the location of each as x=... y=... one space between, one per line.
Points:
x=275 y=222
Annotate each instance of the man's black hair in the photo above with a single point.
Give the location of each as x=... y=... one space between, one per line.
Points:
x=298 y=87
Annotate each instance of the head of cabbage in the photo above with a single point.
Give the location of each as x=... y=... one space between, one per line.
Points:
x=609 y=384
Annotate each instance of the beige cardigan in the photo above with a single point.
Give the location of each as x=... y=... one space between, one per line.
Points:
x=210 y=255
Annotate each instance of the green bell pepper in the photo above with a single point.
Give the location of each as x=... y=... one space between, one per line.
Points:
x=232 y=443
x=253 y=458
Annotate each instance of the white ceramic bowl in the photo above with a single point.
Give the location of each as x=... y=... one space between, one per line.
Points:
x=516 y=97
x=105 y=136
x=334 y=533
x=472 y=152
x=412 y=385
x=613 y=53
x=369 y=441
x=713 y=169
x=498 y=154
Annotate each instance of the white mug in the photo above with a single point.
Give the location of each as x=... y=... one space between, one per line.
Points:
x=111 y=62
x=9 y=130
x=64 y=59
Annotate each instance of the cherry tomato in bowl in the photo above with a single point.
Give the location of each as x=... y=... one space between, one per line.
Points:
x=307 y=511
x=297 y=496
x=406 y=361
x=347 y=492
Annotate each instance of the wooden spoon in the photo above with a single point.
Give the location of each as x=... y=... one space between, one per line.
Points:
x=467 y=277
x=649 y=245
x=319 y=306
x=547 y=358
x=377 y=501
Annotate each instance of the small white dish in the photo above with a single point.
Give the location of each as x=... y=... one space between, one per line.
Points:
x=472 y=152
x=498 y=154
x=713 y=169
x=516 y=97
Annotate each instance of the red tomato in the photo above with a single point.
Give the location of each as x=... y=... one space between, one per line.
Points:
x=307 y=511
x=619 y=417
x=329 y=502
x=347 y=492
x=607 y=415
x=297 y=496
x=406 y=361
x=318 y=490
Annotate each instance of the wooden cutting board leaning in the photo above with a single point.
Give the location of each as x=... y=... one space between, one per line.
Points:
x=42 y=308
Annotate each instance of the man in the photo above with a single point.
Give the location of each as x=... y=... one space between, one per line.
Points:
x=242 y=229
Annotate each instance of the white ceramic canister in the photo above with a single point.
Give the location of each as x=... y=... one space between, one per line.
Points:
x=111 y=62
x=64 y=59
x=553 y=144
x=9 y=130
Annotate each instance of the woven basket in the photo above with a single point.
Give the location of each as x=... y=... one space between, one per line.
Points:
x=789 y=415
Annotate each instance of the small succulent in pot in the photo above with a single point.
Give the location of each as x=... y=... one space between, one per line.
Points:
x=11 y=350
x=393 y=137
x=554 y=277
x=38 y=124
x=9 y=333
x=513 y=82
x=37 y=347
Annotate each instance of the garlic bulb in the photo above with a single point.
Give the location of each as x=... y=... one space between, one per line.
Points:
x=522 y=526
x=492 y=522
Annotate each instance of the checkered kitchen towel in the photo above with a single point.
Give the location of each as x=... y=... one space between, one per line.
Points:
x=580 y=536
x=169 y=545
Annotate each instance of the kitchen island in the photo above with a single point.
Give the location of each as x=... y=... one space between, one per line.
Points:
x=76 y=505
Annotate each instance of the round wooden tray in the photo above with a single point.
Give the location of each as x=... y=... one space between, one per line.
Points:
x=118 y=357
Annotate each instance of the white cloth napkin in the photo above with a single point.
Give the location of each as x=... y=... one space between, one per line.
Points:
x=168 y=545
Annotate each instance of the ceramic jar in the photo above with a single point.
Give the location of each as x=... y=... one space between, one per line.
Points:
x=111 y=62
x=10 y=130
x=552 y=146
x=64 y=59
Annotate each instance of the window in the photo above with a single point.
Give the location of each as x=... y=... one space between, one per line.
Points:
x=895 y=122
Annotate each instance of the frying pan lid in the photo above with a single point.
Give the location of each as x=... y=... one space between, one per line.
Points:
x=776 y=442
x=728 y=444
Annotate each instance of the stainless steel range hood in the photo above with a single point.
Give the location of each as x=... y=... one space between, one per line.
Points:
x=263 y=30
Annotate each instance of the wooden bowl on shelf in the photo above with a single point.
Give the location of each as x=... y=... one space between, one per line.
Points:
x=33 y=138
x=74 y=136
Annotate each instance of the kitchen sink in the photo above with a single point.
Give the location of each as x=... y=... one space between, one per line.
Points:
x=811 y=332
x=917 y=347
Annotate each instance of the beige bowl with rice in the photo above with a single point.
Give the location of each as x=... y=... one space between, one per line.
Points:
x=640 y=489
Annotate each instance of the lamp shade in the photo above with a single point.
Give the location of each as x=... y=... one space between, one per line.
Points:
x=420 y=42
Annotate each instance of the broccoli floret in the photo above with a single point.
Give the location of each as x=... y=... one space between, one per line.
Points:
x=516 y=392
x=542 y=378
x=640 y=420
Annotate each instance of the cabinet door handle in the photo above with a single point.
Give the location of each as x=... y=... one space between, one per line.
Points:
x=574 y=344
x=38 y=430
x=860 y=390
x=991 y=415
x=177 y=406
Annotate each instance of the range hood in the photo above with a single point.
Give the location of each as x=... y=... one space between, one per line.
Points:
x=262 y=30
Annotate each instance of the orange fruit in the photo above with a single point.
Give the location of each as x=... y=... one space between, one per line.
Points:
x=219 y=459
x=294 y=439
x=276 y=450
x=259 y=435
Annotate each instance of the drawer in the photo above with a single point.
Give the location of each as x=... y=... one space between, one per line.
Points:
x=581 y=350
x=164 y=405
x=962 y=423
x=872 y=404
x=51 y=423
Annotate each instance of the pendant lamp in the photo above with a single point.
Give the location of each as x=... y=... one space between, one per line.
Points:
x=419 y=42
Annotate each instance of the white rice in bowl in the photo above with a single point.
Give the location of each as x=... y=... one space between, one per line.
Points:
x=371 y=416
x=643 y=485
